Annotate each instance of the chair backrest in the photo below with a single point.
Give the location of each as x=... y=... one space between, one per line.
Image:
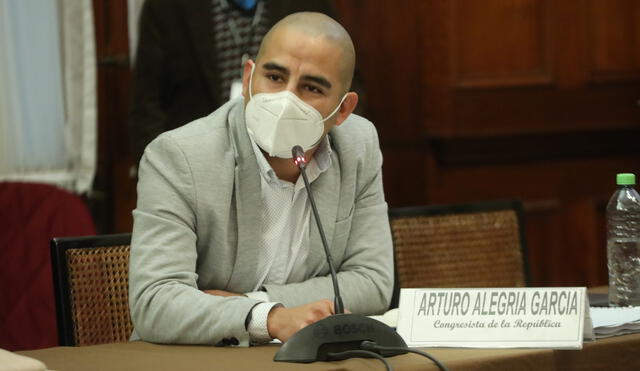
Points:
x=91 y=282
x=465 y=245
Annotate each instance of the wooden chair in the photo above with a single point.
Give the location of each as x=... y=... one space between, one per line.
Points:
x=91 y=282
x=465 y=245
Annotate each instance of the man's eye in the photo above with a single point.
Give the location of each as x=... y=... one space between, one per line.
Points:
x=275 y=78
x=314 y=89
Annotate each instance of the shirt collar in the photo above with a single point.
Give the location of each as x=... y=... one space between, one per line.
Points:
x=320 y=162
x=322 y=156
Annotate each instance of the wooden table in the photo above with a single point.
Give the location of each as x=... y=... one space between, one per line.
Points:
x=617 y=353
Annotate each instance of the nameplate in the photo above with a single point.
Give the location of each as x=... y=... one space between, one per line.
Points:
x=493 y=318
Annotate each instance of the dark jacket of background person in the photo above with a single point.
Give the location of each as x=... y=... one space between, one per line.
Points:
x=176 y=79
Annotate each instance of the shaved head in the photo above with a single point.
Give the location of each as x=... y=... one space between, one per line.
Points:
x=312 y=57
x=316 y=25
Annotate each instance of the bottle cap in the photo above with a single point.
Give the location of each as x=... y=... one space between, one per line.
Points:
x=626 y=179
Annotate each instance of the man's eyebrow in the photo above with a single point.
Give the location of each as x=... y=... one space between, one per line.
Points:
x=275 y=67
x=318 y=80
x=271 y=66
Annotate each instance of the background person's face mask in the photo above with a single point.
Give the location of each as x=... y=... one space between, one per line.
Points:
x=279 y=121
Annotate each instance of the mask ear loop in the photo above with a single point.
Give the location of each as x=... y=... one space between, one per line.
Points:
x=329 y=116
x=253 y=67
x=336 y=109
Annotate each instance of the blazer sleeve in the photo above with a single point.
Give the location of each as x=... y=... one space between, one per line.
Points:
x=365 y=273
x=166 y=304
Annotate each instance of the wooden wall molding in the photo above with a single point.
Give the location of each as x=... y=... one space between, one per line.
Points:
x=495 y=150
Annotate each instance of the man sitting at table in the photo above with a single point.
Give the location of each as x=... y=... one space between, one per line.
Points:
x=225 y=249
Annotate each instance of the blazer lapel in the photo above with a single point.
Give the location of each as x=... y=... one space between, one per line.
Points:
x=327 y=197
x=248 y=206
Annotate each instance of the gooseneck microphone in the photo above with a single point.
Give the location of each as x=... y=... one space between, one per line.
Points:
x=341 y=335
x=301 y=161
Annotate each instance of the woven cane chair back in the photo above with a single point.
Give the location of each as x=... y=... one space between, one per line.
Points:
x=91 y=280
x=470 y=245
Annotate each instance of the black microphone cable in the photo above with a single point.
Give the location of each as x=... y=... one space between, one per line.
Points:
x=359 y=354
x=371 y=346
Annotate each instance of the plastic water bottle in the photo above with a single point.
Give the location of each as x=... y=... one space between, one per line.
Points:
x=623 y=243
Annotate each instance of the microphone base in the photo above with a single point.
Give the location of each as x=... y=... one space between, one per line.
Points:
x=338 y=333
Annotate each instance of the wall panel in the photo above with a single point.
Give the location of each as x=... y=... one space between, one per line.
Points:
x=508 y=108
x=614 y=33
x=502 y=43
x=114 y=189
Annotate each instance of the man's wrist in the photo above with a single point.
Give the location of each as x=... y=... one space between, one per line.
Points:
x=272 y=323
x=258 y=322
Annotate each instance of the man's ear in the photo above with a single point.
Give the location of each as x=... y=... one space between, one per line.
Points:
x=246 y=73
x=347 y=106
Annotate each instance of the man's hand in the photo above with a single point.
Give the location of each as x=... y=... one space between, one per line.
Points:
x=221 y=293
x=283 y=322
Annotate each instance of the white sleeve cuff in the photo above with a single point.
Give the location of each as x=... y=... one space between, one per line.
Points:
x=258 y=295
x=257 y=328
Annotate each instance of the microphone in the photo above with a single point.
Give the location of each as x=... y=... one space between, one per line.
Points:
x=301 y=161
x=340 y=334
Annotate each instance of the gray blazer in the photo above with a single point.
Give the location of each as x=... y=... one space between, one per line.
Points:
x=195 y=228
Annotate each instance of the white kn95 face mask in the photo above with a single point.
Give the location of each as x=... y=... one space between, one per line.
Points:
x=279 y=121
